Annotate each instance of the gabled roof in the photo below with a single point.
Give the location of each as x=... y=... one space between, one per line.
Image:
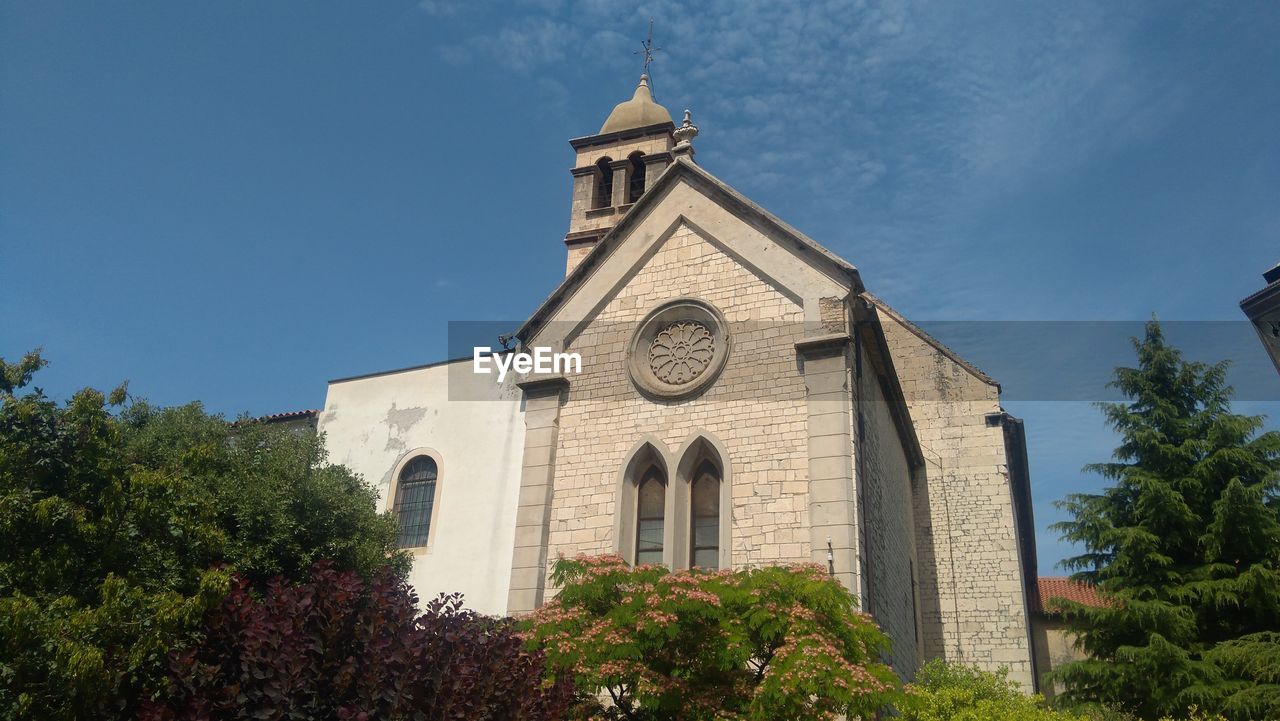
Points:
x=1253 y=303
x=919 y=333
x=683 y=168
x=1051 y=587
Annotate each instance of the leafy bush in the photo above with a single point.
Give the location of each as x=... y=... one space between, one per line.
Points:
x=1195 y=714
x=646 y=644
x=955 y=692
x=337 y=647
x=944 y=692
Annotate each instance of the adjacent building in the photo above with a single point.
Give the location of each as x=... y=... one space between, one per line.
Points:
x=1263 y=310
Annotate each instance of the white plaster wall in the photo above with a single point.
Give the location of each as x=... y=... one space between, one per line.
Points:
x=371 y=423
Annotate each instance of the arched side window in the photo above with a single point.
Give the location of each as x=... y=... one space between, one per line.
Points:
x=651 y=502
x=414 y=500
x=635 y=184
x=704 y=518
x=646 y=520
x=703 y=503
x=604 y=184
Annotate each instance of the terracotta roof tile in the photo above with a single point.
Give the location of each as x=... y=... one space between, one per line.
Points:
x=1050 y=587
x=279 y=417
x=291 y=415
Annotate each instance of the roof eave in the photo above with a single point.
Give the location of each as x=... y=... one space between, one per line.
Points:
x=937 y=344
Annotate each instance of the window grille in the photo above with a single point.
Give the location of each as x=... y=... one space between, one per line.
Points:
x=415 y=499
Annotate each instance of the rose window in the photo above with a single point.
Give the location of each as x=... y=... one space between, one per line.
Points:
x=678 y=349
x=681 y=352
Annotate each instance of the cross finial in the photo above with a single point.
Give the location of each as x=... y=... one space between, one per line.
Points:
x=647 y=49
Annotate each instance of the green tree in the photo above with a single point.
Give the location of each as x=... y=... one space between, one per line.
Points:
x=120 y=526
x=1184 y=546
x=647 y=644
x=281 y=505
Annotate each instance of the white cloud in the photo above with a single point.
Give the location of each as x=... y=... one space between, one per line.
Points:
x=898 y=117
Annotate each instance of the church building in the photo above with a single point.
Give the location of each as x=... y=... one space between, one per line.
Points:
x=742 y=400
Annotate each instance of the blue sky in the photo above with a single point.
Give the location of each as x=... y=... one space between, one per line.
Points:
x=235 y=202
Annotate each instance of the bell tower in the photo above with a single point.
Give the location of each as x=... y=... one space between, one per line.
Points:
x=614 y=167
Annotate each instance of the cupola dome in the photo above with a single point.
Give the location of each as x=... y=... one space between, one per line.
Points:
x=638 y=112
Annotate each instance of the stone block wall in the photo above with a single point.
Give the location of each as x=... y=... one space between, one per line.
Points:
x=583 y=216
x=888 y=517
x=574 y=255
x=756 y=409
x=972 y=602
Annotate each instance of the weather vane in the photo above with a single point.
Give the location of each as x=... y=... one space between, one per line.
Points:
x=647 y=50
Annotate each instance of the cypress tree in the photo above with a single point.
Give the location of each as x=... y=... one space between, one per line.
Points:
x=1183 y=546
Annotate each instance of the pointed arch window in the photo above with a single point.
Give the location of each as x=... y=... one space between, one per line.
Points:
x=651 y=501
x=704 y=517
x=635 y=178
x=415 y=500
x=604 y=184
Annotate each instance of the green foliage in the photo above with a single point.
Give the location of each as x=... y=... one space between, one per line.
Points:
x=646 y=644
x=18 y=375
x=955 y=692
x=943 y=692
x=1195 y=714
x=284 y=507
x=1184 y=546
x=115 y=530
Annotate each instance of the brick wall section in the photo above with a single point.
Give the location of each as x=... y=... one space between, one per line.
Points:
x=885 y=479
x=971 y=596
x=756 y=408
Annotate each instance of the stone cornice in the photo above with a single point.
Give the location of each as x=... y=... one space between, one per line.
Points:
x=544 y=385
x=822 y=345
x=584 y=236
x=589 y=140
x=1261 y=301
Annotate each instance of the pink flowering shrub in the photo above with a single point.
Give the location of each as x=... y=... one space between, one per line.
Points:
x=776 y=643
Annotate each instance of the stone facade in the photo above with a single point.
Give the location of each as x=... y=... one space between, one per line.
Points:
x=756 y=408
x=798 y=398
x=973 y=604
x=888 y=526
x=590 y=216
